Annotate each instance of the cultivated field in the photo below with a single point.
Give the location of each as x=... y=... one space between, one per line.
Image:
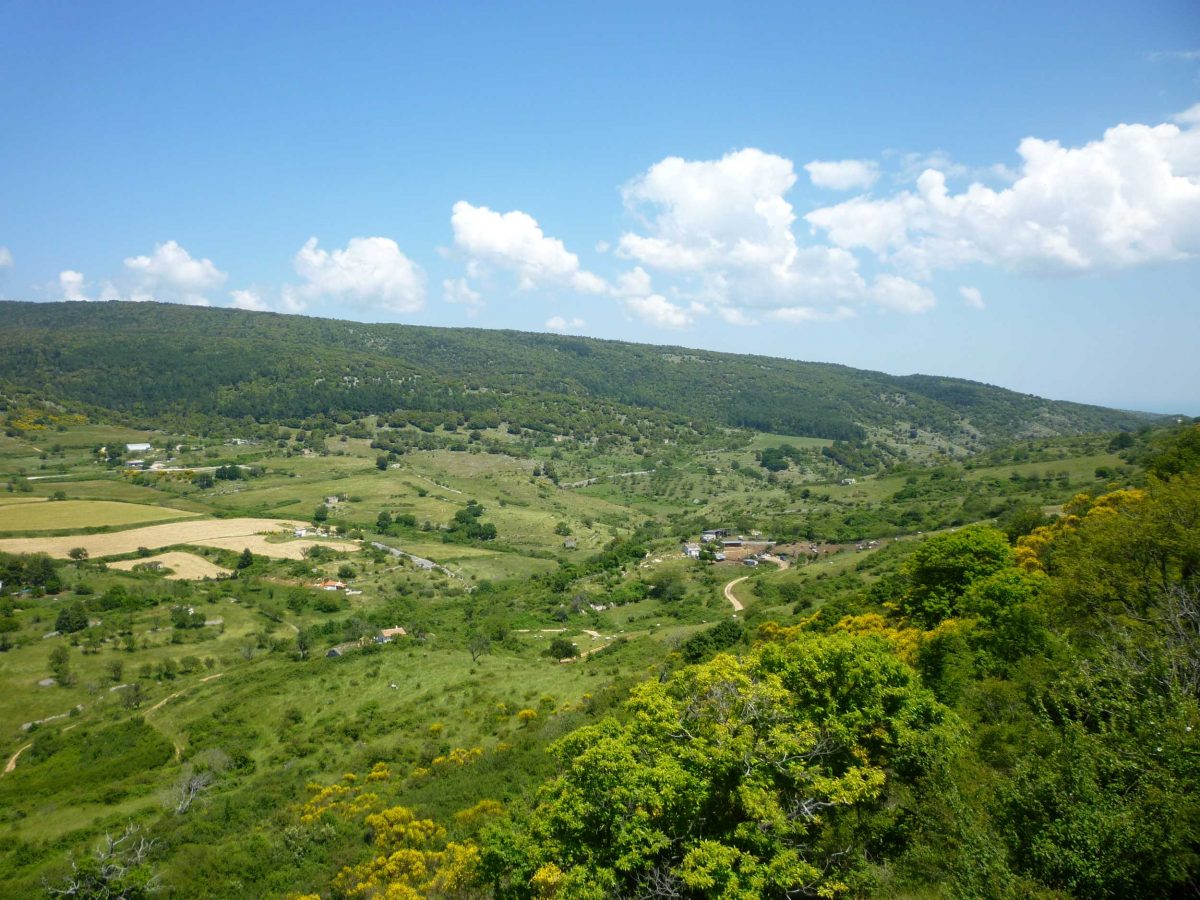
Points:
x=153 y=536
x=257 y=543
x=61 y=515
x=183 y=566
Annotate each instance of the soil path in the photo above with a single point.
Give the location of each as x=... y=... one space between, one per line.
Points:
x=734 y=601
x=12 y=760
x=163 y=702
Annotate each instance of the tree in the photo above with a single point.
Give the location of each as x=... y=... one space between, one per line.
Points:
x=78 y=554
x=383 y=522
x=71 y=619
x=943 y=566
x=381 y=463
x=563 y=529
x=246 y=560
x=132 y=696
x=561 y=648
x=303 y=643
x=479 y=644
x=60 y=664
x=119 y=869
x=1021 y=520
x=736 y=778
x=320 y=514
x=115 y=669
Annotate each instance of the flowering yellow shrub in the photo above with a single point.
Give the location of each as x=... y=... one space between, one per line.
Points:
x=399 y=827
x=336 y=798
x=474 y=815
x=459 y=756
x=379 y=772
x=1031 y=549
x=906 y=641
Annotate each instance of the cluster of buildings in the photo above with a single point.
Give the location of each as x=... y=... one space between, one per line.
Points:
x=727 y=546
x=385 y=636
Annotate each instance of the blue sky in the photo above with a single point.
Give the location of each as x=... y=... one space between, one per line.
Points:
x=1007 y=192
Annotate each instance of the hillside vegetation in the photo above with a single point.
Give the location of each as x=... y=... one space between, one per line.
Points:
x=426 y=632
x=162 y=360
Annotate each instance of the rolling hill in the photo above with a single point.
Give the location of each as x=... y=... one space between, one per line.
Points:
x=156 y=361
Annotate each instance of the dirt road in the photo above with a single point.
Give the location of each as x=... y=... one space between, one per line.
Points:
x=12 y=760
x=734 y=601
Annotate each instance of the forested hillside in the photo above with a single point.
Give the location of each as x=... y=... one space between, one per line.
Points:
x=161 y=361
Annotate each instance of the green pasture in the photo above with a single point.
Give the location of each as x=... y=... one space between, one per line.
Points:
x=67 y=515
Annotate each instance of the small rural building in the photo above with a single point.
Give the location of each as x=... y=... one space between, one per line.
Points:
x=713 y=535
x=137 y=447
x=569 y=544
x=731 y=542
x=333 y=653
x=691 y=551
x=331 y=585
x=135 y=463
x=390 y=633
x=849 y=481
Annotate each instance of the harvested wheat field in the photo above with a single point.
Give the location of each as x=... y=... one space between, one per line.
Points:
x=60 y=515
x=154 y=536
x=257 y=543
x=183 y=566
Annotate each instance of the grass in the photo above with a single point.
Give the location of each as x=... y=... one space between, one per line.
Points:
x=290 y=721
x=67 y=515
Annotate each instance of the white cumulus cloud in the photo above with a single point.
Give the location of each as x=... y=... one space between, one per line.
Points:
x=6 y=258
x=725 y=226
x=657 y=310
x=459 y=291
x=901 y=295
x=514 y=241
x=842 y=174
x=725 y=212
x=562 y=325
x=368 y=271
x=794 y=315
x=171 y=273
x=249 y=299
x=972 y=296
x=1131 y=197
x=70 y=283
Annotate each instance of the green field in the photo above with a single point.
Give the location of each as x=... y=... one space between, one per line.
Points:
x=234 y=673
x=67 y=515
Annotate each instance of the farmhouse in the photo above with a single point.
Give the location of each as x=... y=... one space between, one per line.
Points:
x=388 y=633
x=849 y=481
x=691 y=551
x=331 y=585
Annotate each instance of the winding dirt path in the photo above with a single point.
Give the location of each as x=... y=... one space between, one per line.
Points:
x=12 y=760
x=163 y=702
x=734 y=601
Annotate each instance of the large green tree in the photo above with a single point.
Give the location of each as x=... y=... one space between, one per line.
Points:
x=943 y=567
x=738 y=778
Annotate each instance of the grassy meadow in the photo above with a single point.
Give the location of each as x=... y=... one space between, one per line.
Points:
x=233 y=674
